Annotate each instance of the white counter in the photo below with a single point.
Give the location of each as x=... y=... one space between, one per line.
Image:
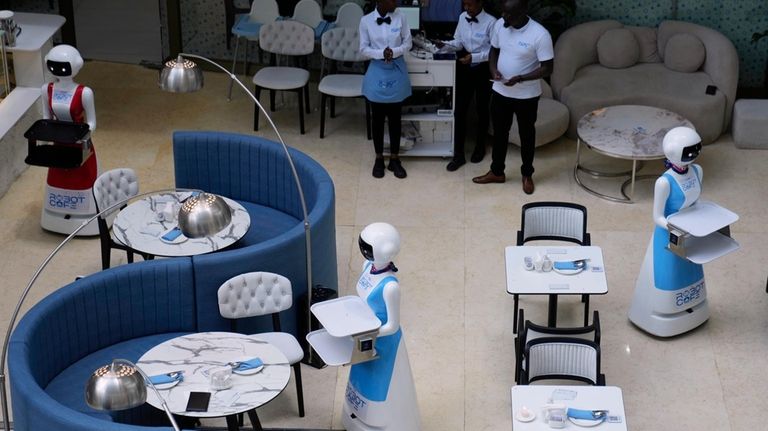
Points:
x=18 y=110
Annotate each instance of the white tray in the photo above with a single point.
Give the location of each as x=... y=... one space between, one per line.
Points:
x=334 y=351
x=345 y=316
x=702 y=218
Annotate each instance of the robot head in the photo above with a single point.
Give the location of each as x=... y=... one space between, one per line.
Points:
x=379 y=243
x=681 y=146
x=64 y=60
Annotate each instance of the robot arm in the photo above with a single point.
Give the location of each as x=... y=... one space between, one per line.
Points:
x=44 y=102
x=89 y=107
x=660 y=195
x=392 y=301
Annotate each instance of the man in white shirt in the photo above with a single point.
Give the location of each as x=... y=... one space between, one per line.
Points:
x=521 y=54
x=472 y=40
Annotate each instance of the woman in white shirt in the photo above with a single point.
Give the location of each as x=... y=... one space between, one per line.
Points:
x=385 y=38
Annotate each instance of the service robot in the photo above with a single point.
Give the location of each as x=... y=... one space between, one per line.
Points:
x=670 y=293
x=380 y=394
x=68 y=197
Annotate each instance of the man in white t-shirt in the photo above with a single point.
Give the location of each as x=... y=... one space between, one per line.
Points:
x=521 y=54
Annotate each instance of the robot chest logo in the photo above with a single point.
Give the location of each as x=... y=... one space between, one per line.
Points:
x=365 y=283
x=354 y=400
x=61 y=96
x=688 y=184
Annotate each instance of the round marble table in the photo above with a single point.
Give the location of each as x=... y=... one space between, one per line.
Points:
x=197 y=354
x=138 y=227
x=629 y=132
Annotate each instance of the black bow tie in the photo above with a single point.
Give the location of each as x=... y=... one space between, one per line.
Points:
x=472 y=19
x=381 y=21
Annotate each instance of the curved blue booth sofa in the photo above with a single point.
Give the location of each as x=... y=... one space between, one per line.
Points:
x=124 y=311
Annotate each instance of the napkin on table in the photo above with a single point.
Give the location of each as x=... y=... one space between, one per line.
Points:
x=162 y=379
x=583 y=414
x=569 y=264
x=248 y=364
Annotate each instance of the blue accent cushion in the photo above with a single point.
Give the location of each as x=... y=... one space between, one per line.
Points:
x=244 y=27
x=74 y=378
x=323 y=27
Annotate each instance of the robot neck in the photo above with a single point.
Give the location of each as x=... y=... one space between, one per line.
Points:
x=389 y=267
x=678 y=169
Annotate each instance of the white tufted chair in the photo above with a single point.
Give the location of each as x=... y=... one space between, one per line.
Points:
x=108 y=189
x=257 y=294
x=289 y=38
x=349 y=16
x=248 y=26
x=341 y=45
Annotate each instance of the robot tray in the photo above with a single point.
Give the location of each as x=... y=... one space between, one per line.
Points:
x=63 y=144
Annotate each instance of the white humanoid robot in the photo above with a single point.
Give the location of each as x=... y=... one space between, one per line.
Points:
x=68 y=193
x=670 y=293
x=380 y=393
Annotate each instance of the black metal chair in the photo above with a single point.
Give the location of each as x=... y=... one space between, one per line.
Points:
x=555 y=221
x=530 y=331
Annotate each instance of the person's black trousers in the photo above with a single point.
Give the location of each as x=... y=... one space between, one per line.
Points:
x=393 y=113
x=471 y=81
x=525 y=110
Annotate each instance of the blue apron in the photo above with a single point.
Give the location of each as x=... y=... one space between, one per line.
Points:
x=671 y=272
x=371 y=379
x=387 y=82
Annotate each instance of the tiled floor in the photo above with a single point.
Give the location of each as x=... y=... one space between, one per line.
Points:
x=455 y=311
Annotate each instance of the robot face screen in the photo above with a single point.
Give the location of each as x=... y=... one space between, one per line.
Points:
x=691 y=152
x=366 y=249
x=59 y=68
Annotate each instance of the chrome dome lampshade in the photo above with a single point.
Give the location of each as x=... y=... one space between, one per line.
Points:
x=204 y=215
x=117 y=386
x=181 y=76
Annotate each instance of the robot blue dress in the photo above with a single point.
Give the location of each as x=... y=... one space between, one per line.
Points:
x=380 y=393
x=670 y=293
x=670 y=271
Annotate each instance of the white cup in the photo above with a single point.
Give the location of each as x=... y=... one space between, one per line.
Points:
x=538 y=263
x=554 y=415
x=221 y=378
x=546 y=263
x=169 y=211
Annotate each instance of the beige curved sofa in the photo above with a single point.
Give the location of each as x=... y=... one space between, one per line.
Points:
x=583 y=84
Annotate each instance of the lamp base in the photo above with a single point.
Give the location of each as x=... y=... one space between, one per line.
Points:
x=319 y=294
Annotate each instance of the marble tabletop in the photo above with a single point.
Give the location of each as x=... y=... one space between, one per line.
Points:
x=139 y=227
x=631 y=132
x=197 y=354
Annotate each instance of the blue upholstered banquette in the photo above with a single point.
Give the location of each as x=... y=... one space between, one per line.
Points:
x=124 y=311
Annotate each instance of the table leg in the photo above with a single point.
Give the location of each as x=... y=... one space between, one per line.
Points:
x=552 y=314
x=232 y=423
x=632 y=187
x=597 y=174
x=254 y=420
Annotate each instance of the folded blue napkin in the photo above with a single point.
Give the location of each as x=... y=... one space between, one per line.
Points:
x=587 y=414
x=162 y=379
x=569 y=265
x=249 y=364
